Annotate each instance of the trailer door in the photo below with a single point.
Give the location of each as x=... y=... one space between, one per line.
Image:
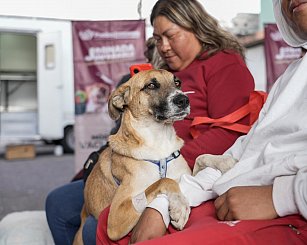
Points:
x=50 y=87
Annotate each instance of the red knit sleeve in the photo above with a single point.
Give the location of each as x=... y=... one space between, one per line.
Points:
x=227 y=90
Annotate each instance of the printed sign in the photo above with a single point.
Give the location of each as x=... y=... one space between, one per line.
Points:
x=103 y=52
x=278 y=54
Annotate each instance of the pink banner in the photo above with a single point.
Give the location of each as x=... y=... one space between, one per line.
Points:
x=278 y=54
x=103 y=53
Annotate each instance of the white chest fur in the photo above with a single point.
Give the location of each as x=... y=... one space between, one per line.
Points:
x=160 y=140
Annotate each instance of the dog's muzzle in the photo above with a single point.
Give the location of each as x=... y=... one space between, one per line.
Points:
x=173 y=108
x=181 y=101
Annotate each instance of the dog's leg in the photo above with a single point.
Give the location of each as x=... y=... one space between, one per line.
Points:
x=123 y=214
x=98 y=192
x=78 y=237
x=220 y=162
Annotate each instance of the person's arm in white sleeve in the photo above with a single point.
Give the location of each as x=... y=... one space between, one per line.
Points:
x=290 y=194
x=300 y=191
x=235 y=151
x=196 y=189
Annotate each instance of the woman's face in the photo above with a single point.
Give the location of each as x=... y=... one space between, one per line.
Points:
x=295 y=12
x=177 y=46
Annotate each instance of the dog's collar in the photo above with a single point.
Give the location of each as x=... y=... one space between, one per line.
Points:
x=162 y=163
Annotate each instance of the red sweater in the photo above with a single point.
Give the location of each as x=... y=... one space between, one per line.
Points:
x=221 y=85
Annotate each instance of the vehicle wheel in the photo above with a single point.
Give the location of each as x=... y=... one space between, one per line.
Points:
x=68 y=141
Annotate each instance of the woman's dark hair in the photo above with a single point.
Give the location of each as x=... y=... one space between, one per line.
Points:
x=190 y=15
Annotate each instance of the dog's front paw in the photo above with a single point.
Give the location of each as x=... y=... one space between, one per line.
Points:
x=201 y=162
x=220 y=162
x=179 y=210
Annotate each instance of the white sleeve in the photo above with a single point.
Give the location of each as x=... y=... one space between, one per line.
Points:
x=283 y=195
x=235 y=151
x=300 y=191
x=290 y=194
x=196 y=189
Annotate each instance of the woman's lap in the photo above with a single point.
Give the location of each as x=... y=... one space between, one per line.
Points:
x=204 y=228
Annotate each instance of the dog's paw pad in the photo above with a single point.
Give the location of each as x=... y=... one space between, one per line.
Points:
x=179 y=210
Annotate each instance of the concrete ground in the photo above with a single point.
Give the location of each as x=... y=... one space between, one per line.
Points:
x=24 y=184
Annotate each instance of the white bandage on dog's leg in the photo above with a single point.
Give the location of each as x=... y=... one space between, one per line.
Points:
x=139 y=202
x=161 y=204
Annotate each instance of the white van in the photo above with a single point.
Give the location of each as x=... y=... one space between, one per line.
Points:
x=36 y=81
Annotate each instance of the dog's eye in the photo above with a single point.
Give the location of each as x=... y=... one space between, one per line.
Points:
x=152 y=85
x=177 y=82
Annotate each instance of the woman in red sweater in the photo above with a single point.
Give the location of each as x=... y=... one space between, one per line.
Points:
x=210 y=63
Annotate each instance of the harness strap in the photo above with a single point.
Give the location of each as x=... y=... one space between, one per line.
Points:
x=162 y=163
x=117 y=181
x=230 y=121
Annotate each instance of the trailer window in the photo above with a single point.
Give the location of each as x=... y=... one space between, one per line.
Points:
x=50 y=56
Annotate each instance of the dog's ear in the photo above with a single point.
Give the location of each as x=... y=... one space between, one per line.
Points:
x=118 y=100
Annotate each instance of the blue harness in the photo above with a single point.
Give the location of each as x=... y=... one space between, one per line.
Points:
x=162 y=163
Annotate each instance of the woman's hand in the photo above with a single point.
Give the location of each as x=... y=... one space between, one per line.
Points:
x=246 y=203
x=149 y=226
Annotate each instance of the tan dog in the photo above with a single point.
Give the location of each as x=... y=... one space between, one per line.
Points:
x=143 y=158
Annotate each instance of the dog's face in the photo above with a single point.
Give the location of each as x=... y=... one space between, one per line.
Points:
x=152 y=93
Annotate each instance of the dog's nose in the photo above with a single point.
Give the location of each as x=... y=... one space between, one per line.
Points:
x=181 y=100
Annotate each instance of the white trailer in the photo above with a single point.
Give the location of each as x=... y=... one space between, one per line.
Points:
x=36 y=80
